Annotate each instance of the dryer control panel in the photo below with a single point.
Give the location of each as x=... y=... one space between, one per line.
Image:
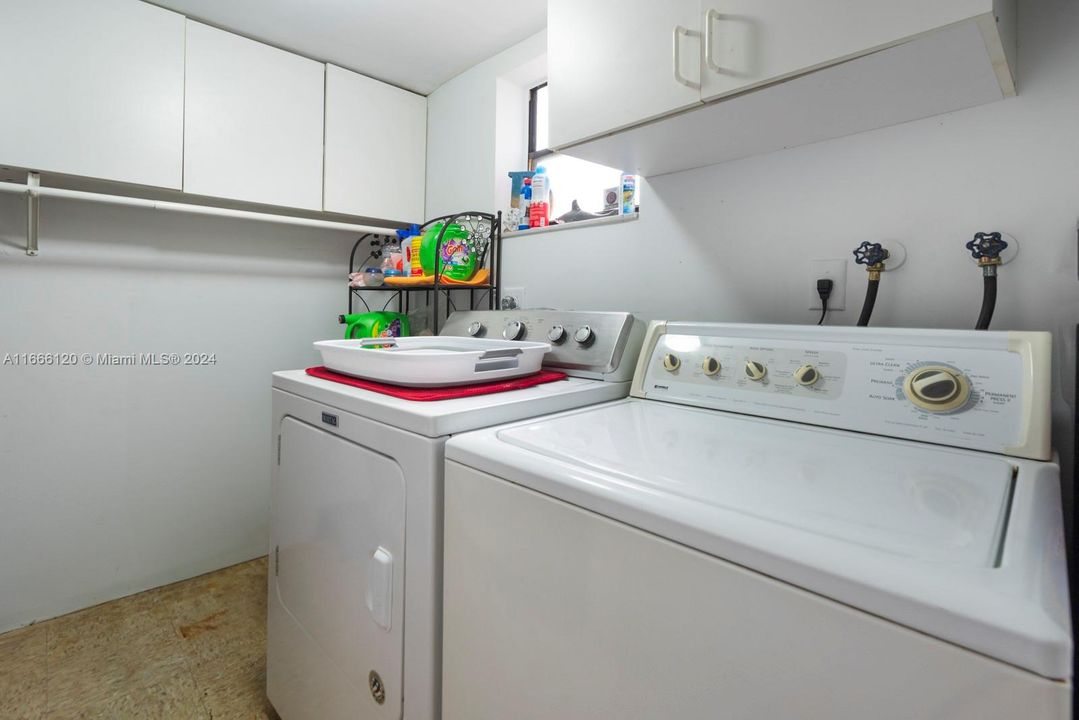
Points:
x=971 y=389
x=600 y=345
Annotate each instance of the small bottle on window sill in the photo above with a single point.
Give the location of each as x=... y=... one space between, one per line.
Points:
x=539 y=212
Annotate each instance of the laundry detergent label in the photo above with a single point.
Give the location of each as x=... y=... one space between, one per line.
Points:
x=393 y=329
x=454 y=252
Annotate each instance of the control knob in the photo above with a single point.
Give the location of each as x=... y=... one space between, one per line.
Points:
x=755 y=371
x=514 y=330
x=671 y=362
x=476 y=329
x=937 y=388
x=807 y=375
x=556 y=334
x=711 y=366
x=584 y=335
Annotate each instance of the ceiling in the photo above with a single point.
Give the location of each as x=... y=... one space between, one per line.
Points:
x=415 y=44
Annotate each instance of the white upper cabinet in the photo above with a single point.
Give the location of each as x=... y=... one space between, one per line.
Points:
x=747 y=43
x=93 y=89
x=376 y=148
x=611 y=64
x=253 y=121
x=648 y=88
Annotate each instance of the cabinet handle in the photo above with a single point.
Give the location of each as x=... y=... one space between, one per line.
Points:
x=676 y=46
x=709 y=17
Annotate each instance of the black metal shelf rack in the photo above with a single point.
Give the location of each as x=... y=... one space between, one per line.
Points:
x=484 y=230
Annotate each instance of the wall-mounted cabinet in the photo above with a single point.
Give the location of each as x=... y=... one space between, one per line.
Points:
x=93 y=89
x=376 y=148
x=253 y=121
x=749 y=43
x=661 y=87
x=125 y=91
x=610 y=64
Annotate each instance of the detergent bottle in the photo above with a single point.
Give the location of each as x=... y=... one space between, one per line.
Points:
x=374 y=324
x=456 y=259
x=409 y=240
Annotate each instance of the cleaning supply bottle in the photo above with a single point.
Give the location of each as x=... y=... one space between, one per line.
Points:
x=539 y=210
x=456 y=260
x=412 y=256
x=408 y=242
x=374 y=324
x=629 y=195
x=525 y=203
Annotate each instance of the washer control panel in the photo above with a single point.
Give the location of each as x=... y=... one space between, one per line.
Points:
x=705 y=362
x=970 y=389
x=602 y=345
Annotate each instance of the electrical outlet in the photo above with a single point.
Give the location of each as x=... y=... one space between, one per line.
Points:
x=836 y=271
x=513 y=298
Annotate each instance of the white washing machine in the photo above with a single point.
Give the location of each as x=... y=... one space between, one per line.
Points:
x=781 y=522
x=356 y=528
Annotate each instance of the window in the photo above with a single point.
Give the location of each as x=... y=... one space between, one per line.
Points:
x=570 y=178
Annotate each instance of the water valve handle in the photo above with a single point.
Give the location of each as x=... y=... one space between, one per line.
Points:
x=870 y=254
x=987 y=245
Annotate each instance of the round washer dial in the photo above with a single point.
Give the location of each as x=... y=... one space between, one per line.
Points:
x=937 y=388
x=756 y=371
x=807 y=375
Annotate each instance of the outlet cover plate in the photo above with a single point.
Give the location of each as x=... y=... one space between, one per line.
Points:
x=517 y=293
x=834 y=269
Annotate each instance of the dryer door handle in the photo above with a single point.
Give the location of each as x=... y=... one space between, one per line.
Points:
x=379 y=594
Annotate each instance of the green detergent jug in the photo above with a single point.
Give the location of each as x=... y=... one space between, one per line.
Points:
x=456 y=260
x=374 y=324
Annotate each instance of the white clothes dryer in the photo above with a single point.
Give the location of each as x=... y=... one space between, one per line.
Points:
x=355 y=590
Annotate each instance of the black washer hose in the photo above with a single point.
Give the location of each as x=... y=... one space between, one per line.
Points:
x=870 y=301
x=989 y=298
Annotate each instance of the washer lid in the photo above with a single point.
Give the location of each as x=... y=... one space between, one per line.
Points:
x=925 y=503
x=961 y=545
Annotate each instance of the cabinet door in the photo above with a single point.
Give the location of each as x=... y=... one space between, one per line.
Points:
x=611 y=64
x=252 y=121
x=376 y=145
x=93 y=89
x=753 y=42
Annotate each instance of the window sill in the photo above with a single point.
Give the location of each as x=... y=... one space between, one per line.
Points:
x=593 y=222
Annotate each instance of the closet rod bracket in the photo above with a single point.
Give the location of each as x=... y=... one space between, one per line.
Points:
x=33 y=212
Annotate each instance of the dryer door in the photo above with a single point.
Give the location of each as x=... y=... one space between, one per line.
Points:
x=339 y=534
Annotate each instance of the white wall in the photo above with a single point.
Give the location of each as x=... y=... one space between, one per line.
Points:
x=732 y=242
x=118 y=479
x=466 y=167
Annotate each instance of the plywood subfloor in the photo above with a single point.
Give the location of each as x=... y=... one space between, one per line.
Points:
x=192 y=650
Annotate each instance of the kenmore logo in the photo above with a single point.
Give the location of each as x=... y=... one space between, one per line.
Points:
x=661 y=387
x=329 y=419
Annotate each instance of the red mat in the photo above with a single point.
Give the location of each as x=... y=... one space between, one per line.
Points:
x=438 y=393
